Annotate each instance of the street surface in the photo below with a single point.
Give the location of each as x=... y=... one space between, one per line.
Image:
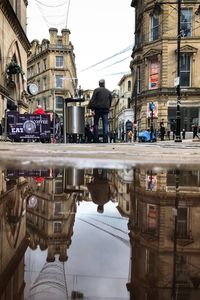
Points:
x=120 y=155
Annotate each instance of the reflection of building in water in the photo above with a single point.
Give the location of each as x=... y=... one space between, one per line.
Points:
x=165 y=240
x=50 y=222
x=123 y=183
x=13 y=241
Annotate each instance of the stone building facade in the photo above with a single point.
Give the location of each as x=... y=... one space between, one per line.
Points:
x=124 y=110
x=14 y=47
x=154 y=62
x=51 y=66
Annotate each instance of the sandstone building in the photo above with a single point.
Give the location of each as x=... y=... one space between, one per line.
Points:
x=14 y=47
x=51 y=66
x=154 y=62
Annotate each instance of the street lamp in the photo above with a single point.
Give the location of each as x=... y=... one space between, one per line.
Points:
x=157 y=10
x=178 y=88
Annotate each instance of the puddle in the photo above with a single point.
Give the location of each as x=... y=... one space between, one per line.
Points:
x=70 y=233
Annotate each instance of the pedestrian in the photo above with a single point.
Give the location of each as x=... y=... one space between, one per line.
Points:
x=130 y=136
x=88 y=134
x=195 y=131
x=99 y=189
x=162 y=132
x=100 y=104
x=168 y=134
x=183 y=134
x=39 y=110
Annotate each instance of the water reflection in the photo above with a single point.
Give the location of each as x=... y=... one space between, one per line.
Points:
x=99 y=234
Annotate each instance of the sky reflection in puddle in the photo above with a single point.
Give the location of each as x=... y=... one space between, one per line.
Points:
x=100 y=234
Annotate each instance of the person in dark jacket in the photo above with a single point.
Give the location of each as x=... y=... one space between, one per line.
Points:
x=100 y=104
x=99 y=189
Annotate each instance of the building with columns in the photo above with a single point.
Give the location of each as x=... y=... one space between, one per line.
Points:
x=154 y=62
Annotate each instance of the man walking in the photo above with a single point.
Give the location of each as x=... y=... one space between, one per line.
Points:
x=100 y=104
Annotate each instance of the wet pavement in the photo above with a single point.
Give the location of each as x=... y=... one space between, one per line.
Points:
x=100 y=222
x=120 y=155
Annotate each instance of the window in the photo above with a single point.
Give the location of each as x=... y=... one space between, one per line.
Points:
x=59 y=102
x=154 y=25
x=57 y=227
x=38 y=68
x=38 y=84
x=44 y=83
x=153 y=74
x=129 y=85
x=59 y=186
x=57 y=208
x=185 y=70
x=59 y=43
x=59 y=61
x=138 y=74
x=182 y=222
x=186 y=22
x=45 y=63
x=59 y=81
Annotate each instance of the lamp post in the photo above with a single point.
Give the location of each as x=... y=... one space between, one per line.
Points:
x=151 y=108
x=178 y=88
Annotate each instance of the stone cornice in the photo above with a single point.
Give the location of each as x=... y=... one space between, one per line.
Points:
x=10 y=15
x=169 y=91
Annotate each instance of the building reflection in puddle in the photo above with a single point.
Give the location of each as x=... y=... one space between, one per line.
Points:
x=164 y=235
x=99 y=234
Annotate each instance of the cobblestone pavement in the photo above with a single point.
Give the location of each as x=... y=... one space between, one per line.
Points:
x=120 y=155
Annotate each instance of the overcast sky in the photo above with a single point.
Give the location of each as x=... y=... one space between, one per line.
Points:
x=99 y=29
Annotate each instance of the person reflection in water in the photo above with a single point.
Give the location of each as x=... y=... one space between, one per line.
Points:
x=99 y=189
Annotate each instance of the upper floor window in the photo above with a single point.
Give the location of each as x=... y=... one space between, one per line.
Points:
x=45 y=63
x=186 y=22
x=57 y=227
x=59 y=81
x=185 y=62
x=129 y=85
x=153 y=74
x=138 y=74
x=59 y=102
x=59 y=43
x=59 y=61
x=38 y=68
x=154 y=27
x=44 y=83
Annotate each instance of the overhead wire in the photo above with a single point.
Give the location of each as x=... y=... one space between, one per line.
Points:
x=52 y=6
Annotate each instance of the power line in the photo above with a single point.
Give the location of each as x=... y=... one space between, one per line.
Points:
x=45 y=5
x=67 y=13
x=117 y=62
x=114 y=55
